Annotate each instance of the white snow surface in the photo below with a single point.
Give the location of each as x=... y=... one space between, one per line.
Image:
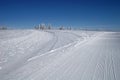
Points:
x=59 y=55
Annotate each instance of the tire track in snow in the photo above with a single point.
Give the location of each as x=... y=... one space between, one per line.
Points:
x=52 y=45
x=54 y=41
x=113 y=68
x=96 y=58
x=57 y=69
x=16 y=64
x=45 y=49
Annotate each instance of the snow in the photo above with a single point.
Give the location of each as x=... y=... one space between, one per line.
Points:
x=0 y=68
x=59 y=55
x=32 y=58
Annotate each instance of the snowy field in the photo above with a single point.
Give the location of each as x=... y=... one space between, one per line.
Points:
x=59 y=55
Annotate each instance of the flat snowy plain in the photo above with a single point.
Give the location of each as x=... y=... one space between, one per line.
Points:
x=59 y=55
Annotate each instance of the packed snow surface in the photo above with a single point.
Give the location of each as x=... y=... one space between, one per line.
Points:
x=59 y=55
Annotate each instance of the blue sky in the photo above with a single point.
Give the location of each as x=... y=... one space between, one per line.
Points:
x=76 y=13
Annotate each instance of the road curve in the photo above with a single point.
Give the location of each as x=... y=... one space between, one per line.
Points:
x=96 y=59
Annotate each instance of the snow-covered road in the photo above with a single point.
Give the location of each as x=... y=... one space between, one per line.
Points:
x=59 y=55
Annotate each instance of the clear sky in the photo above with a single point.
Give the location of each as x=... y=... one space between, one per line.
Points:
x=76 y=13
